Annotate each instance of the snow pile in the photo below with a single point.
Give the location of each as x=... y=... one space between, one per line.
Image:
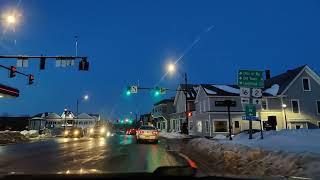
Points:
x=227 y=89
x=173 y=135
x=9 y=137
x=273 y=90
x=294 y=140
x=208 y=91
x=219 y=137
x=30 y=133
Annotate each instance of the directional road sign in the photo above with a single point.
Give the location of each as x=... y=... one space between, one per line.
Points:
x=244 y=92
x=256 y=101
x=256 y=92
x=250 y=110
x=134 y=89
x=245 y=100
x=250 y=78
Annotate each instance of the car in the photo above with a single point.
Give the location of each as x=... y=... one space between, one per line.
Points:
x=131 y=132
x=74 y=132
x=99 y=131
x=147 y=134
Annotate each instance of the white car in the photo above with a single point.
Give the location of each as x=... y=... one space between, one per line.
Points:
x=147 y=133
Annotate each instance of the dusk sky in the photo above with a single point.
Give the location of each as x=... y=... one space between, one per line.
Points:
x=132 y=41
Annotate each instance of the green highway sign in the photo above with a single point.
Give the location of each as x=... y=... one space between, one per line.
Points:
x=250 y=110
x=250 y=78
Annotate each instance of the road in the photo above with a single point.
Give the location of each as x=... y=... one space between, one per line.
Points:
x=118 y=153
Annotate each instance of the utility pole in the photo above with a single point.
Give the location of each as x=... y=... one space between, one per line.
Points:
x=186 y=123
x=228 y=103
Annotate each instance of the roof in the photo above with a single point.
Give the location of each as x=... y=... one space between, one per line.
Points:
x=221 y=90
x=164 y=101
x=284 y=79
x=192 y=90
x=85 y=116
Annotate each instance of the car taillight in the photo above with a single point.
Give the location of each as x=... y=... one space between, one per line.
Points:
x=154 y=132
x=140 y=132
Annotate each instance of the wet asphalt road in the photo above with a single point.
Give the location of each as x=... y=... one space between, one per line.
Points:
x=119 y=153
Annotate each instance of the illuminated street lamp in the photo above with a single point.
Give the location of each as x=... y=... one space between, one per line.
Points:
x=85 y=97
x=11 y=19
x=284 y=106
x=171 y=69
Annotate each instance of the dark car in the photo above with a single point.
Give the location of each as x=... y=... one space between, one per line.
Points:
x=74 y=132
x=99 y=130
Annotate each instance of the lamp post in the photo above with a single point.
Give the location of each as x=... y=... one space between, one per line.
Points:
x=171 y=68
x=284 y=106
x=65 y=118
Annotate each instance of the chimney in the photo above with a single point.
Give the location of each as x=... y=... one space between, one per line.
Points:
x=268 y=76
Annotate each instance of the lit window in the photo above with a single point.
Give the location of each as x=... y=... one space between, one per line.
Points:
x=220 y=126
x=199 y=126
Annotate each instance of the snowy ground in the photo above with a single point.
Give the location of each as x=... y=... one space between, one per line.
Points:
x=295 y=140
x=173 y=135
x=10 y=137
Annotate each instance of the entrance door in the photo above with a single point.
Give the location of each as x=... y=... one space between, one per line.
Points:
x=272 y=122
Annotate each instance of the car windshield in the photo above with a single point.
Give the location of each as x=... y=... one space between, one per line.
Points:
x=160 y=87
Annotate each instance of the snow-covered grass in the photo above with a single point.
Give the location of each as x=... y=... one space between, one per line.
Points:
x=30 y=133
x=295 y=140
x=173 y=135
x=9 y=137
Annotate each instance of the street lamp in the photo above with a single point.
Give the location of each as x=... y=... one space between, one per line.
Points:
x=65 y=118
x=284 y=106
x=171 y=68
x=85 y=97
x=11 y=19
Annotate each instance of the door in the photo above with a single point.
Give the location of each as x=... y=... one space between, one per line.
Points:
x=272 y=123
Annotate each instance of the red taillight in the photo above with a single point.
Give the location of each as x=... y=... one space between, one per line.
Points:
x=140 y=132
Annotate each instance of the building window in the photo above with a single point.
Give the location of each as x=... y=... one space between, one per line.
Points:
x=174 y=124
x=199 y=126
x=200 y=106
x=319 y=124
x=264 y=104
x=306 y=84
x=318 y=107
x=298 y=126
x=220 y=126
x=236 y=124
x=295 y=106
x=207 y=126
x=204 y=106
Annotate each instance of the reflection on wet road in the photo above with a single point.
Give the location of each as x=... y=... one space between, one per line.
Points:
x=112 y=154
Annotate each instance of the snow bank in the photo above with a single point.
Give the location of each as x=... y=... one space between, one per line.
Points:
x=219 y=136
x=30 y=133
x=227 y=89
x=294 y=140
x=273 y=90
x=173 y=135
x=9 y=137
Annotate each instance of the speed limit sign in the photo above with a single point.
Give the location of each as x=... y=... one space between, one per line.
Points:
x=244 y=92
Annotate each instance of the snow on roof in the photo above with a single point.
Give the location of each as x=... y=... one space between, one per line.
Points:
x=53 y=116
x=227 y=89
x=196 y=88
x=208 y=91
x=84 y=116
x=273 y=90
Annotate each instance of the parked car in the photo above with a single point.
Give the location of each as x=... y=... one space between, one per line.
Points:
x=131 y=132
x=147 y=134
x=74 y=132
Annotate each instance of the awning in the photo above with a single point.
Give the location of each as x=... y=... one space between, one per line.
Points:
x=8 y=92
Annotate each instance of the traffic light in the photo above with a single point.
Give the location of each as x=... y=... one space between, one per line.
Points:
x=84 y=64
x=13 y=71
x=128 y=91
x=30 y=79
x=189 y=114
x=42 y=63
x=156 y=92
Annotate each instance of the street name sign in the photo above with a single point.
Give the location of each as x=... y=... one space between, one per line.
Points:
x=253 y=118
x=250 y=78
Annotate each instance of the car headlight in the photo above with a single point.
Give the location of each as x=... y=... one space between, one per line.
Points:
x=108 y=133
x=76 y=132
x=91 y=130
x=102 y=130
x=66 y=132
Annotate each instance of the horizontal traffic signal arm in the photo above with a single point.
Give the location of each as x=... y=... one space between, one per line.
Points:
x=18 y=72
x=13 y=74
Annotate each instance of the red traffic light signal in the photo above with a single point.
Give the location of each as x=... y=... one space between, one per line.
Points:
x=189 y=114
x=30 y=79
x=13 y=70
x=84 y=64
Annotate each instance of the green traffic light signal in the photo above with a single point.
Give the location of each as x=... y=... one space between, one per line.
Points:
x=128 y=93
x=156 y=93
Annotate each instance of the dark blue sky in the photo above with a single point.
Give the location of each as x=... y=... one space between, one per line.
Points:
x=131 y=41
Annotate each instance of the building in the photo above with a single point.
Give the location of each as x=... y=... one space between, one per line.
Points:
x=179 y=116
x=146 y=119
x=290 y=100
x=67 y=119
x=161 y=113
